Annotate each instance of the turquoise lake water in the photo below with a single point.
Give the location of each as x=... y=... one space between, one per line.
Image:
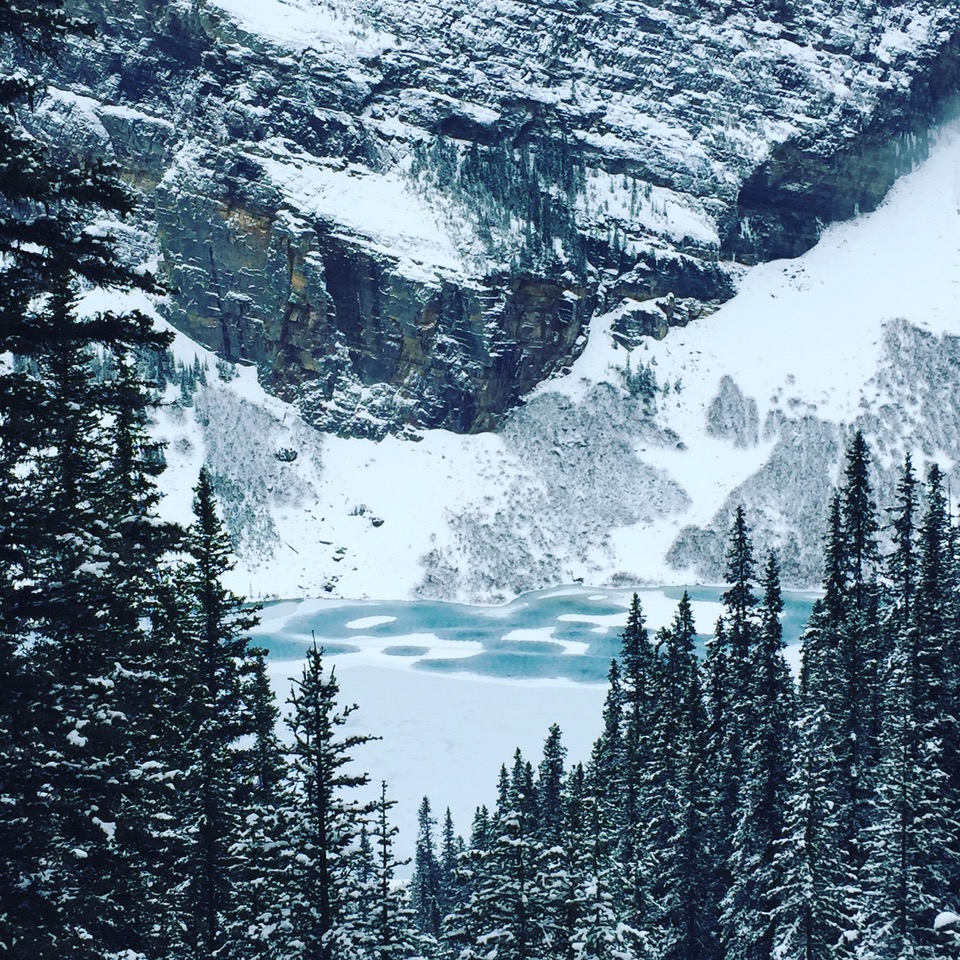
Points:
x=569 y=632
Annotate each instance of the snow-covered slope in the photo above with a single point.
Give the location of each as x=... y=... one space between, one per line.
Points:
x=598 y=475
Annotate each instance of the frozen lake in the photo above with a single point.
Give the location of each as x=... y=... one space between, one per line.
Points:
x=565 y=633
x=453 y=689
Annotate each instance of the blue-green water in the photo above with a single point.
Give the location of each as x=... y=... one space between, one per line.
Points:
x=570 y=632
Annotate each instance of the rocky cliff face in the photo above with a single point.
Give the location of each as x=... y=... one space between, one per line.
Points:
x=406 y=213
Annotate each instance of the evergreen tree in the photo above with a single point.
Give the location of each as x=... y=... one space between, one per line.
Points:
x=451 y=847
x=728 y=688
x=502 y=916
x=678 y=829
x=569 y=881
x=464 y=926
x=818 y=674
x=86 y=668
x=377 y=922
x=768 y=735
x=844 y=652
x=862 y=648
x=910 y=869
x=597 y=929
x=809 y=918
x=549 y=790
x=260 y=852
x=70 y=772
x=739 y=598
x=326 y=823
x=740 y=637
x=721 y=797
x=608 y=760
x=394 y=932
x=860 y=524
x=639 y=677
x=208 y=715
x=425 y=892
x=553 y=880
x=902 y=564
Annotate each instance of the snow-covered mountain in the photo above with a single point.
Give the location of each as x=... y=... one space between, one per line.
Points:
x=491 y=250
x=628 y=468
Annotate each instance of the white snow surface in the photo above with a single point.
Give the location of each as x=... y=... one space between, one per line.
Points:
x=381 y=208
x=295 y=25
x=946 y=918
x=365 y=623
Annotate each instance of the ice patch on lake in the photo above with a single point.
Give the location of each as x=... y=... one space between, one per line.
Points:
x=536 y=634
x=613 y=621
x=365 y=623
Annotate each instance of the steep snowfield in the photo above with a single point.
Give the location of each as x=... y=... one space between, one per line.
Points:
x=587 y=481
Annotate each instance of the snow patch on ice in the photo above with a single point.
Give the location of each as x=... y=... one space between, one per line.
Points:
x=365 y=623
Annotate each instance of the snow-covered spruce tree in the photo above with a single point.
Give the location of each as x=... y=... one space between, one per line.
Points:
x=553 y=866
x=137 y=537
x=378 y=922
x=909 y=870
x=608 y=758
x=596 y=928
x=47 y=246
x=677 y=833
x=739 y=598
x=937 y=610
x=821 y=637
x=863 y=648
x=72 y=769
x=87 y=659
x=394 y=932
x=463 y=925
x=549 y=789
x=606 y=786
x=726 y=685
x=768 y=733
x=208 y=717
x=843 y=654
x=720 y=790
x=326 y=823
x=950 y=729
x=451 y=846
x=903 y=562
x=425 y=894
x=735 y=644
x=809 y=917
x=639 y=678
x=575 y=804
x=260 y=852
x=502 y=917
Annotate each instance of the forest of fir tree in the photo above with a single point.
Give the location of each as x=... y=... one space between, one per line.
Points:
x=150 y=810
